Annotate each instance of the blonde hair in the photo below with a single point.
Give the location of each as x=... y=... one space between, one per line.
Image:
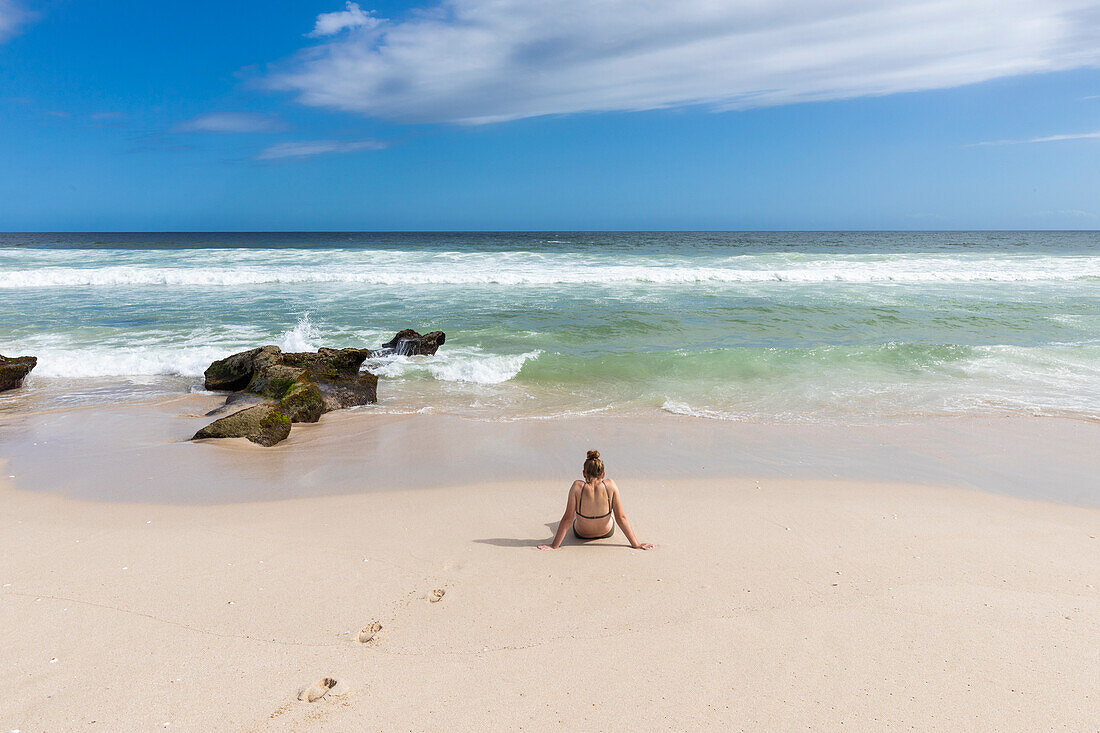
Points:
x=593 y=466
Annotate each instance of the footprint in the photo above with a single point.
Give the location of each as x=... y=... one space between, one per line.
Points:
x=317 y=690
x=436 y=595
x=368 y=632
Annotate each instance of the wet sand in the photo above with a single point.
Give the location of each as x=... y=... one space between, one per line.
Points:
x=146 y=584
x=140 y=452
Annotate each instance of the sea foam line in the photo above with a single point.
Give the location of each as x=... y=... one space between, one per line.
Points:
x=134 y=276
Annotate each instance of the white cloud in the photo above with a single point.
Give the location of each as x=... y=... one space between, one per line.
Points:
x=331 y=23
x=484 y=60
x=11 y=18
x=231 y=122
x=1046 y=139
x=310 y=148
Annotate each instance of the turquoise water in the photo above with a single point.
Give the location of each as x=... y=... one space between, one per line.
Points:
x=757 y=326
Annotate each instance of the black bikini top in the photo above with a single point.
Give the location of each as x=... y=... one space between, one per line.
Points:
x=607 y=493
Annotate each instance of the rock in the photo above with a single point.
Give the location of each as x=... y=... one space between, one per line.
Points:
x=299 y=387
x=328 y=364
x=352 y=392
x=262 y=424
x=303 y=402
x=235 y=372
x=236 y=402
x=408 y=342
x=13 y=369
x=275 y=380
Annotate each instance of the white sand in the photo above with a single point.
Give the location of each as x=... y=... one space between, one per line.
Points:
x=795 y=604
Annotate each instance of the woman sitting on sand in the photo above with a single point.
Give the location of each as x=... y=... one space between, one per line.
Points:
x=585 y=508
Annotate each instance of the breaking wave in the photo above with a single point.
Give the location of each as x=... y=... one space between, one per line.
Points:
x=542 y=270
x=459 y=365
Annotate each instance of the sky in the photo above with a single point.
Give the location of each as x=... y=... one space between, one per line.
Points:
x=535 y=115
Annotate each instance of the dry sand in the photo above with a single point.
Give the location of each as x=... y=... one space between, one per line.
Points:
x=780 y=604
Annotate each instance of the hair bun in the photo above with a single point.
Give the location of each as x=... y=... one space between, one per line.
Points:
x=593 y=455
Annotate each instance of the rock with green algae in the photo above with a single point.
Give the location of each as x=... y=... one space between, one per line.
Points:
x=301 y=386
x=236 y=371
x=303 y=402
x=328 y=364
x=333 y=375
x=13 y=369
x=265 y=425
x=274 y=381
x=361 y=389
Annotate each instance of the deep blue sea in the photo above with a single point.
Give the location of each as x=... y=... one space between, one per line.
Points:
x=786 y=326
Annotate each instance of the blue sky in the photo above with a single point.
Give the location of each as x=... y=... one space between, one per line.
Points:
x=515 y=114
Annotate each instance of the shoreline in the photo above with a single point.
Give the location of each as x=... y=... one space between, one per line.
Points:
x=140 y=452
x=804 y=601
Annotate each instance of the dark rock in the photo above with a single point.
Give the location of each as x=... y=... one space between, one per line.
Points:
x=302 y=386
x=275 y=380
x=237 y=401
x=235 y=372
x=408 y=342
x=303 y=402
x=352 y=392
x=328 y=364
x=262 y=424
x=13 y=369
x=299 y=387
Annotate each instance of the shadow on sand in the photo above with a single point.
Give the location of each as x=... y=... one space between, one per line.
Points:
x=552 y=526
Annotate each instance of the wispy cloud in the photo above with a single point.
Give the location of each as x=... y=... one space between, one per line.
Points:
x=12 y=17
x=476 y=61
x=311 y=148
x=231 y=122
x=332 y=23
x=1045 y=139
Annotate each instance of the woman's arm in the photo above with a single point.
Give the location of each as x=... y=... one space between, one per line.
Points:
x=566 y=519
x=622 y=521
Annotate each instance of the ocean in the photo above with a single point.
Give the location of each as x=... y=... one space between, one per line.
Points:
x=771 y=326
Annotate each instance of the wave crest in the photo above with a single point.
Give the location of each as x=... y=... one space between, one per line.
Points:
x=541 y=272
x=466 y=365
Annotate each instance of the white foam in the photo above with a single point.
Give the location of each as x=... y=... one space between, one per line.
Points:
x=81 y=363
x=682 y=408
x=460 y=365
x=303 y=337
x=535 y=270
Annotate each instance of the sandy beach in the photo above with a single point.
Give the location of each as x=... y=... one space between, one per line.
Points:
x=769 y=602
x=310 y=318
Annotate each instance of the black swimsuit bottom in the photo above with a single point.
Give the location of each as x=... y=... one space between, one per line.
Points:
x=601 y=537
x=585 y=516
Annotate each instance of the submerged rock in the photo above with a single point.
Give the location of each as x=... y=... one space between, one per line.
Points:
x=408 y=342
x=262 y=424
x=13 y=369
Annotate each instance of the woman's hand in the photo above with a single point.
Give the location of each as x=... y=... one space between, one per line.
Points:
x=643 y=546
x=545 y=547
